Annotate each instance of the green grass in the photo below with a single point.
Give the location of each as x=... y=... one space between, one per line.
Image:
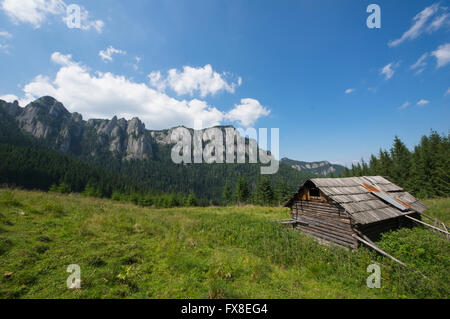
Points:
x=126 y=251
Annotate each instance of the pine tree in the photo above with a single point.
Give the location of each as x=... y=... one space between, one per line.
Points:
x=282 y=191
x=385 y=164
x=346 y=172
x=242 y=190
x=227 y=194
x=401 y=162
x=64 y=188
x=364 y=168
x=374 y=165
x=191 y=200
x=266 y=191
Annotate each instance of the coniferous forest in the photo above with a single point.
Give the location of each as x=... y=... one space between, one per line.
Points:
x=424 y=171
x=38 y=163
x=31 y=163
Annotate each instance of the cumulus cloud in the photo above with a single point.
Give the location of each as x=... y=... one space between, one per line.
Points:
x=388 y=70
x=421 y=23
x=403 y=106
x=422 y=102
x=442 y=54
x=62 y=59
x=34 y=12
x=348 y=91
x=202 y=80
x=103 y=95
x=37 y=12
x=247 y=112
x=107 y=54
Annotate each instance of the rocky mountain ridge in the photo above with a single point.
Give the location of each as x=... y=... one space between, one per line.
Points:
x=322 y=168
x=48 y=120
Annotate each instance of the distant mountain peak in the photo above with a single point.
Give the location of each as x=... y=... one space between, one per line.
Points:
x=323 y=168
x=48 y=120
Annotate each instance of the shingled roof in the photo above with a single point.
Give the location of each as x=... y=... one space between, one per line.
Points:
x=361 y=205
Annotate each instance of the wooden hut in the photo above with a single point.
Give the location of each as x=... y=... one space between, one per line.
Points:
x=346 y=210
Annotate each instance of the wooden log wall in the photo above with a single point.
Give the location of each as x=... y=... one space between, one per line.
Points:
x=325 y=221
x=374 y=230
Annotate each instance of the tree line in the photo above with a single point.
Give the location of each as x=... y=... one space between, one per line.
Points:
x=423 y=171
x=264 y=192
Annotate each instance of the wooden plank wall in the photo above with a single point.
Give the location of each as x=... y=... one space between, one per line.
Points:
x=324 y=220
x=374 y=230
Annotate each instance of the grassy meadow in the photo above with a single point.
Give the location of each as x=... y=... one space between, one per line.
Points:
x=126 y=251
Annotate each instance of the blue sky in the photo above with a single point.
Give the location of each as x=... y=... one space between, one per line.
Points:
x=311 y=68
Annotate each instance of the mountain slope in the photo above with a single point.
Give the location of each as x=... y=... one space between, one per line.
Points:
x=127 y=148
x=322 y=168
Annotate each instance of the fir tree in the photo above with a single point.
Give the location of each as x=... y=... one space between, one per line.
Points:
x=242 y=190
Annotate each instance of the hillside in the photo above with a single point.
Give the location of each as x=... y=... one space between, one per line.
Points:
x=321 y=168
x=126 y=251
x=122 y=147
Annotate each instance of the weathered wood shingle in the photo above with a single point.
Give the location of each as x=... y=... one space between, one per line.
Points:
x=361 y=205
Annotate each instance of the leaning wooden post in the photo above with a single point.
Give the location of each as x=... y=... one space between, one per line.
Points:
x=371 y=244
x=431 y=226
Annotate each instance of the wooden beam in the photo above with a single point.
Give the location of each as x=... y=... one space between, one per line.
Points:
x=435 y=219
x=423 y=223
x=369 y=243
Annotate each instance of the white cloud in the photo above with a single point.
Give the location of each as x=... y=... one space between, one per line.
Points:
x=248 y=112
x=447 y=92
x=3 y=45
x=403 y=106
x=87 y=24
x=156 y=80
x=37 y=12
x=107 y=54
x=34 y=12
x=348 y=91
x=388 y=70
x=420 y=25
x=4 y=48
x=422 y=102
x=442 y=54
x=438 y=22
x=5 y=34
x=137 y=60
x=9 y=98
x=420 y=64
x=204 y=80
x=62 y=59
x=103 y=95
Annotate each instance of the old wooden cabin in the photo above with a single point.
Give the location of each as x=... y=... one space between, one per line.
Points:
x=341 y=209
